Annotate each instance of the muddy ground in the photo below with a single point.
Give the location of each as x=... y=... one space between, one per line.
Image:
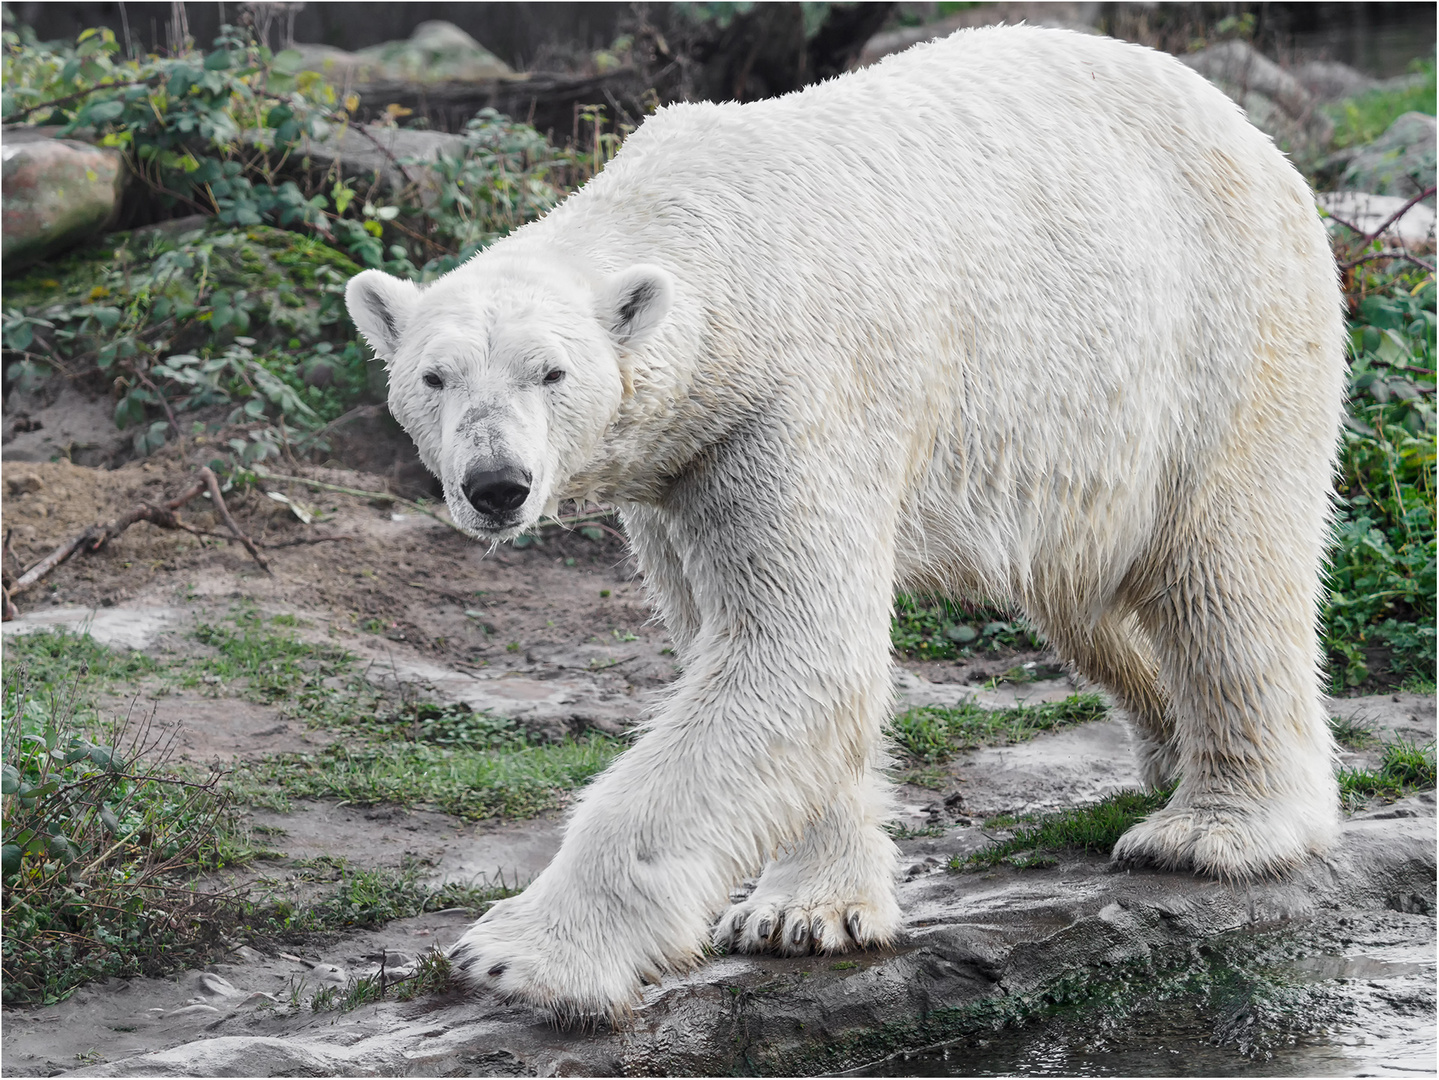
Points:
x=556 y=635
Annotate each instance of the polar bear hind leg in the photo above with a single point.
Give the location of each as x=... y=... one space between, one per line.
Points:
x=1232 y=619
x=831 y=891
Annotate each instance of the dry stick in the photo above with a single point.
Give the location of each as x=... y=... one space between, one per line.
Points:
x=76 y=96
x=1352 y=263
x=359 y=493
x=382 y=148
x=213 y=483
x=1366 y=238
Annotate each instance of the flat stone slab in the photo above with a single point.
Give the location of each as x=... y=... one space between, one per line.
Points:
x=978 y=944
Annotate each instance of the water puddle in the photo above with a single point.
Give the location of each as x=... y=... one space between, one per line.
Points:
x=1383 y=1024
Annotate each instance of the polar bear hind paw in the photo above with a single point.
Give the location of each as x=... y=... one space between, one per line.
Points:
x=772 y=925
x=1231 y=843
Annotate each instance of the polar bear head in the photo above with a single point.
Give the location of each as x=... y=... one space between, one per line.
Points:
x=507 y=372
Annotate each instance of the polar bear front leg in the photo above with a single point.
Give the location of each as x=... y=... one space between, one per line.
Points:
x=781 y=704
x=833 y=890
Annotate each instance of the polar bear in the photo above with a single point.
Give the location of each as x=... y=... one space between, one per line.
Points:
x=1020 y=314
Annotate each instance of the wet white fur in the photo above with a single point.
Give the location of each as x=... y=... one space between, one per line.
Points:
x=1021 y=314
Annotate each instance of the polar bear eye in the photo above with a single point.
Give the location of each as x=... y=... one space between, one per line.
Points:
x=553 y=376
x=433 y=381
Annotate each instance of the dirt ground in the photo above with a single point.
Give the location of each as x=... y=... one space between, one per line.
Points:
x=394 y=575
x=395 y=582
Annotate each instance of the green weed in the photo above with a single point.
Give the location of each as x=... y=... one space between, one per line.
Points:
x=940 y=629
x=1406 y=767
x=934 y=733
x=98 y=837
x=1094 y=828
x=1351 y=734
x=364 y=899
x=516 y=782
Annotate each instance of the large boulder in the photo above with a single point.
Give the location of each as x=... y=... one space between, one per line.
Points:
x=1329 y=80
x=57 y=192
x=1400 y=162
x=436 y=52
x=1274 y=100
x=375 y=150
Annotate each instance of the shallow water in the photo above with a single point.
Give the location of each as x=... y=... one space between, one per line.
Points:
x=1383 y=1025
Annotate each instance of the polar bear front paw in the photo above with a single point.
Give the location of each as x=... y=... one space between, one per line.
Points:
x=793 y=929
x=516 y=954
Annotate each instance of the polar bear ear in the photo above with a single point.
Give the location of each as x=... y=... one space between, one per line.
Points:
x=381 y=306
x=635 y=301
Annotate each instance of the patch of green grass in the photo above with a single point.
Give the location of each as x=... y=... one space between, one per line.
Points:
x=274 y=666
x=934 y=733
x=55 y=659
x=475 y=784
x=940 y=629
x=1364 y=118
x=364 y=899
x=1095 y=828
x=99 y=836
x=1351 y=734
x=1406 y=768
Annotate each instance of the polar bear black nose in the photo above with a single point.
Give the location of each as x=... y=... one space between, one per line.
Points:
x=495 y=492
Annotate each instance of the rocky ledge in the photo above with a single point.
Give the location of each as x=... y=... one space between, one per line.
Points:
x=985 y=949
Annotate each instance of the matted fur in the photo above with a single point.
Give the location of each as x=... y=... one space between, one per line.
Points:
x=1021 y=313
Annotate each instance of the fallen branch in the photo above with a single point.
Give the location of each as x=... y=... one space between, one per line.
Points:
x=97 y=536
x=359 y=493
x=212 y=482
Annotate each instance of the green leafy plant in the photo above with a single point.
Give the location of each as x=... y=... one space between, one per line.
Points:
x=224 y=132
x=941 y=629
x=1382 y=571
x=1362 y=119
x=205 y=321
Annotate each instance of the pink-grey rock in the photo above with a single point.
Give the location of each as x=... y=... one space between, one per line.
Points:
x=57 y=193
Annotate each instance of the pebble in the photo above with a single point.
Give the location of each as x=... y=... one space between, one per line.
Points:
x=194 y=1010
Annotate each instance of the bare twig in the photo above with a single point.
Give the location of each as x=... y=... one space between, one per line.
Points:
x=382 y=148
x=1392 y=218
x=1376 y=256
x=1366 y=238
x=213 y=483
x=360 y=493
